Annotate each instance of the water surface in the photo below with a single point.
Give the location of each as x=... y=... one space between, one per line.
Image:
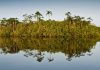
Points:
x=49 y=54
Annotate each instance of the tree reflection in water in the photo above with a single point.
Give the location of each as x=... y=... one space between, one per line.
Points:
x=51 y=58
x=35 y=47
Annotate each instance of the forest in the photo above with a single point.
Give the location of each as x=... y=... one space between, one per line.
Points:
x=73 y=27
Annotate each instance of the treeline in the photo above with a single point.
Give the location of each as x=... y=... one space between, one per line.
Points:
x=70 y=27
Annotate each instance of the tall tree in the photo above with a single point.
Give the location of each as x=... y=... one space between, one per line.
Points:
x=4 y=21
x=69 y=20
x=69 y=17
x=27 y=18
x=38 y=16
x=49 y=13
x=12 y=21
x=68 y=14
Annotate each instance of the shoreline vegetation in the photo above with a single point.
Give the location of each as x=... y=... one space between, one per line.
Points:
x=71 y=27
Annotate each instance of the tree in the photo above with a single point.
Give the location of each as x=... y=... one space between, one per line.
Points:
x=89 y=19
x=4 y=21
x=69 y=17
x=50 y=58
x=38 y=16
x=78 y=20
x=68 y=14
x=69 y=20
x=49 y=13
x=27 y=18
x=12 y=21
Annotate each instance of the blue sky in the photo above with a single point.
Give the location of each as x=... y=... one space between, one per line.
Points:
x=84 y=8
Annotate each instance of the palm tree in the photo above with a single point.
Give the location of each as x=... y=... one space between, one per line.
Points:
x=68 y=14
x=69 y=19
x=49 y=13
x=38 y=15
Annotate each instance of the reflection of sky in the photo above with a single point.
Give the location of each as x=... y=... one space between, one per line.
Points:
x=19 y=62
x=85 y=8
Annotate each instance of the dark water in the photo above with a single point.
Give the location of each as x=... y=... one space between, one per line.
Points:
x=49 y=54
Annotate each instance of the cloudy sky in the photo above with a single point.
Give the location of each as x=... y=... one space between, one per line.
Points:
x=84 y=8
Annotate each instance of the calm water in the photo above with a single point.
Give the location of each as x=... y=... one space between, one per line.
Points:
x=49 y=54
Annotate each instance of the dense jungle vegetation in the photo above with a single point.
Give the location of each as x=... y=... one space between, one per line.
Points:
x=71 y=27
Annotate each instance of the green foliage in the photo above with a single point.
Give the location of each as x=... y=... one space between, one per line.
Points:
x=72 y=27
